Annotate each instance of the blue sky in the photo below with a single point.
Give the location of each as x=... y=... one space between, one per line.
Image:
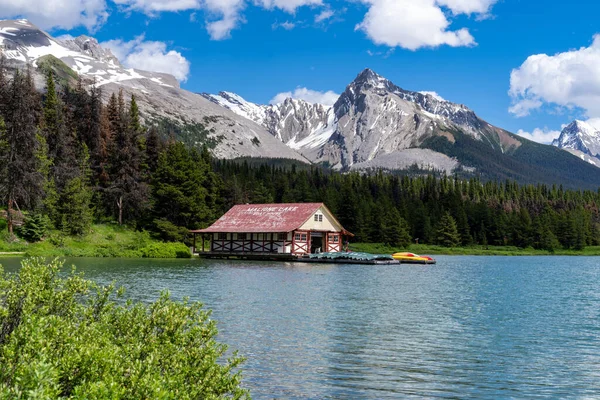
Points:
x=465 y=50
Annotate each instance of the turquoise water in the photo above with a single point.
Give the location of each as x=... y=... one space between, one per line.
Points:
x=478 y=327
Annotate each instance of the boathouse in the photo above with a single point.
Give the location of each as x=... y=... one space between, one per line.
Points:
x=273 y=229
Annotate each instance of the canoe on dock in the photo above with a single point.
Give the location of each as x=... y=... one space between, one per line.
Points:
x=350 y=258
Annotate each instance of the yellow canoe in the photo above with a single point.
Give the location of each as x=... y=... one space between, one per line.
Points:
x=412 y=258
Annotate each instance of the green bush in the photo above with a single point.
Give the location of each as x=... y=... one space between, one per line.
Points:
x=166 y=250
x=57 y=239
x=69 y=338
x=35 y=228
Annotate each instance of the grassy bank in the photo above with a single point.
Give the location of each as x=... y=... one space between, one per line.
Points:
x=425 y=249
x=102 y=241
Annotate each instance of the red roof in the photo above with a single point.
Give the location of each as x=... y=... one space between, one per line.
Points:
x=263 y=218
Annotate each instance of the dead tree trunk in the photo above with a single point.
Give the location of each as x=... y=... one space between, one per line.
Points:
x=120 y=206
x=9 y=217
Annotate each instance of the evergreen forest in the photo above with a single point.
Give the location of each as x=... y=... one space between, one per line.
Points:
x=68 y=160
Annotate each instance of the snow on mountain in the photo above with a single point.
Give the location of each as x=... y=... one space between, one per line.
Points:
x=239 y=105
x=24 y=42
x=581 y=139
x=581 y=136
x=378 y=120
x=372 y=124
x=158 y=94
x=301 y=125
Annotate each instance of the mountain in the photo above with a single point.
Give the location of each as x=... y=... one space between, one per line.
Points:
x=300 y=125
x=582 y=140
x=190 y=116
x=376 y=124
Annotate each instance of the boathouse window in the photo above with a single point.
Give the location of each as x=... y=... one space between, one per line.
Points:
x=222 y=236
x=300 y=237
x=281 y=236
x=335 y=239
x=241 y=236
x=318 y=218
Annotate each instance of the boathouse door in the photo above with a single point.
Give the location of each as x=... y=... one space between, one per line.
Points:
x=316 y=242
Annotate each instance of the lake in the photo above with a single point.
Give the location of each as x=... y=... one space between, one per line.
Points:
x=478 y=327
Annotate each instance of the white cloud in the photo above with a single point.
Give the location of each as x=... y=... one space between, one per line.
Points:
x=154 y=6
x=544 y=136
x=414 y=24
x=222 y=16
x=287 y=5
x=570 y=79
x=150 y=56
x=467 y=6
x=324 y=15
x=433 y=94
x=523 y=107
x=288 y=26
x=65 y=14
x=312 y=96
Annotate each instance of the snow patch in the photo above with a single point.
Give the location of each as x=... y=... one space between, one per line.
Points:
x=434 y=95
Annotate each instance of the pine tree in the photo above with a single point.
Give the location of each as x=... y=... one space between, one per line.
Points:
x=261 y=194
x=60 y=144
x=464 y=230
x=76 y=214
x=127 y=189
x=21 y=183
x=3 y=84
x=154 y=146
x=447 y=233
x=179 y=188
x=395 y=229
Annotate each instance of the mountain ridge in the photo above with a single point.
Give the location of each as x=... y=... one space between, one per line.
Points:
x=159 y=96
x=377 y=124
x=374 y=123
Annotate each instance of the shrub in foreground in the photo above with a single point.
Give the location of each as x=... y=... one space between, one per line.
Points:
x=69 y=338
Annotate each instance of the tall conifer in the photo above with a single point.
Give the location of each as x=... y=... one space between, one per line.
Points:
x=21 y=183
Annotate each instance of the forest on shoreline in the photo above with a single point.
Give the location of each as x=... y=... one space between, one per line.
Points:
x=68 y=161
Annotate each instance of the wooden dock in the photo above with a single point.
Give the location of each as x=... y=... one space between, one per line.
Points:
x=346 y=261
x=303 y=259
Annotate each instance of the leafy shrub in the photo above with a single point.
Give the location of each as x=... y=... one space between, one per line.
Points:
x=166 y=250
x=57 y=239
x=69 y=338
x=170 y=232
x=139 y=240
x=3 y=225
x=35 y=228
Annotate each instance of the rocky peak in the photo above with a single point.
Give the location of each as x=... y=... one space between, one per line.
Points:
x=90 y=46
x=369 y=79
x=581 y=136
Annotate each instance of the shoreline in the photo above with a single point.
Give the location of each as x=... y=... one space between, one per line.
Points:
x=432 y=250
